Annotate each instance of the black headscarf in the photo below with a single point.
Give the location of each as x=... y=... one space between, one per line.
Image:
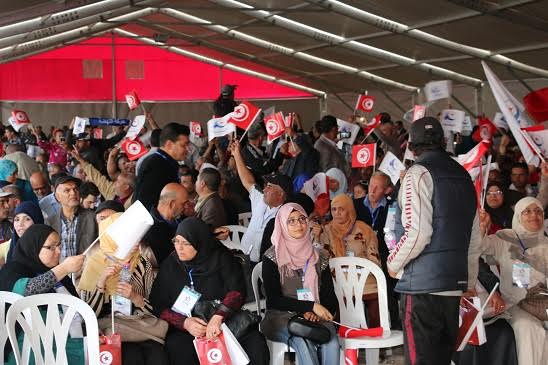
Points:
x=198 y=234
x=501 y=216
x=26 y=261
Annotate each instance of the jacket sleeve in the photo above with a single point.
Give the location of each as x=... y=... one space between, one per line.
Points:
x=105 y=186
x=543 y=192
x=416 y=202
x=474 y=252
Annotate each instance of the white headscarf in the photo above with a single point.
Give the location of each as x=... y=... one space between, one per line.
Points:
x=335 y=173
x=517 y=226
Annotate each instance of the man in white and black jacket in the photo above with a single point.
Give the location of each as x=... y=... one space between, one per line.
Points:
x=436 y=259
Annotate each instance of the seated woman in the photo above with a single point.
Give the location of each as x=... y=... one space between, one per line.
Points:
x=201 y=264
x=291 y=268
x=496 y=205
x=137 y=290
x=347 y=236
x=35 y=269
x=26 y=214
x=524 y=245
x=337 y=182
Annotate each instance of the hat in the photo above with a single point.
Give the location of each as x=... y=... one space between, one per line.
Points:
x=65 y=179
x=283 y=181
x=84 y=136
x=227 y=90
x=4 y=194
x=110 y=204
x=427 y=130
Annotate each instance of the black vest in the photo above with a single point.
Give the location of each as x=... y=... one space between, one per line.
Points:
x=443 y=264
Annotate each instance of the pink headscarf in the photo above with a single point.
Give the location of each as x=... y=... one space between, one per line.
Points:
x=291 y=253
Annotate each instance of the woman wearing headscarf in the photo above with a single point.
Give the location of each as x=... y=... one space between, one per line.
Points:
x=337 y=182
x=35 y=269
x=499 y=210
x=347 y=236
x=200 y=264
x=26 y=214
x=297 y=280
x=8 y=173
x=522 y=249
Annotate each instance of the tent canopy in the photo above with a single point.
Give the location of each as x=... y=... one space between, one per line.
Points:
x=311 y=46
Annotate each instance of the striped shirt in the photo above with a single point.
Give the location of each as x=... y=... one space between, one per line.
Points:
x=68 y=236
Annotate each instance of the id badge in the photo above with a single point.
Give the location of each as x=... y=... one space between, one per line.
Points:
x=521 y=274
x=349 y=253
x=121 y=305
x=186 y=301
x=305 y=294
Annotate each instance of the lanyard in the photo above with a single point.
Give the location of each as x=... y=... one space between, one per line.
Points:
x=345 y=238
x=304 y=270
x=190 y=278
x=521 y=244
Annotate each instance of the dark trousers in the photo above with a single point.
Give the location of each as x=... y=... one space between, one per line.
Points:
x=430 y=327
x=143 y=353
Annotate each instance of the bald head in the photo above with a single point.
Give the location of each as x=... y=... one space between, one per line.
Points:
x=40 y=185
x=172 y=200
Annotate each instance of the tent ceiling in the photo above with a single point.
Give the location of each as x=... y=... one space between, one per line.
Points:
x=517 y=29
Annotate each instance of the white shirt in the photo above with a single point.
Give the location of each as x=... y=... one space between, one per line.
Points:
x=260 y=215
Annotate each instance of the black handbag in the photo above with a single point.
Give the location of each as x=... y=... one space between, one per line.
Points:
x=240 y=322
x=313 y=331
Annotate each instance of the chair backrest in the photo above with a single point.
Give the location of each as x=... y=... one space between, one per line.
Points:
x=234 y=238
x=349 y=281
x=256 y=276
x=52 y=327
x=6 y=298
x=244 y=218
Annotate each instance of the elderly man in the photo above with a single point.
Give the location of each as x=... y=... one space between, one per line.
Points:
x=76 y=226
x=264 y=205
x=170 y=205
x=210 y=207
x=5 y=224
x=46 y=199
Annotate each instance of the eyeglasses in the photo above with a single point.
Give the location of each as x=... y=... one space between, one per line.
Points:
x=536 y=211
x=494 y=193
x=52 y=247
x=179 y=242
x=294 y=221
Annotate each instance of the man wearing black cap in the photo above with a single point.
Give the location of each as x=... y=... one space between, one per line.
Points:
x=92 y=150
x=255 y=156
x=76 y=226
x=108 y=208
x=264 y=205
x=436 y=259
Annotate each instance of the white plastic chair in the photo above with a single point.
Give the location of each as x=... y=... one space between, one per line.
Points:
x=43 y=332
x=244 y=218
x=350 y=276
x=7 y=297
x=277 y=349
x=234 y=237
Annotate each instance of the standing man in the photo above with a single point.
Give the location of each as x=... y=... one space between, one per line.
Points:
x=436 y=259
x=162 y=167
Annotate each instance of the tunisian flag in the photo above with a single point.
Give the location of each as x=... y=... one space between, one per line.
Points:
x=133 y=149
x=473 y=157
x=364 y=155
x=365 y=103
x=244 y=114
x=275 y=126
x=372 y=124
x=132 y=100
x=536 y=104
x=486 y=130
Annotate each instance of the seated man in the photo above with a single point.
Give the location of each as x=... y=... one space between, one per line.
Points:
x=210 y=207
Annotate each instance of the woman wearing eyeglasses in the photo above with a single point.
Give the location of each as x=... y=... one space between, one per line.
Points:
x=522 y=256
x=498 y=209
x=200 y=272
x=297 y=280
x=35 y=269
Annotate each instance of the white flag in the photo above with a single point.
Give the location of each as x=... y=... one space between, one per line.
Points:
x=80 y=125
x=345 y=127
x=392 y=167
x=499 y=121
x=316 y=186
x=467 y=124
x=135 y=127
x=436 y=90
x=512 y=110
x=452 y=120
x=218 y=127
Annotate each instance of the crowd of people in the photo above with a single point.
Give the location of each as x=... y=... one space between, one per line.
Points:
x=55 y=201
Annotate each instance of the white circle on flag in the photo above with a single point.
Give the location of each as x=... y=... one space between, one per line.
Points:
x=363 y=155
x=485 y=132
x=367 y=104
x=214 y=356
x=272 y=126
x=372 y=122
x=196 y=128
x=105 y=358
x=241 y=113
x=130 y=100
x=20 y=116
x=134 y=147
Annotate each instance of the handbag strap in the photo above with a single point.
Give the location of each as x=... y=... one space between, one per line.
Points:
x=152 y=337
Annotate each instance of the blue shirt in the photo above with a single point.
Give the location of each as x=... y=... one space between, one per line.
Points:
x=374 y=212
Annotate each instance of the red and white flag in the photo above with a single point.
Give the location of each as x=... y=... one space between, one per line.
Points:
x=317 y=189
x=132 y=100
x=364 y=155
x=418 y=111
x=471 y=327
x=473 y=157
x=536 y=103
x=196 y=129
x=486 y=130
x=97 y=133
x=372 y=124
x=133 y=148
x=365 y=103
x=244 y=114
x=275 y=126
x=538 y=139
x=513 y=113
x=19 y=119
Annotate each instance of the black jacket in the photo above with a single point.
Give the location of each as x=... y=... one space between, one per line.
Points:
x=159 y=236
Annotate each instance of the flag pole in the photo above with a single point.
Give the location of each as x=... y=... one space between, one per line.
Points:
x=368 y=134
x=486 y=178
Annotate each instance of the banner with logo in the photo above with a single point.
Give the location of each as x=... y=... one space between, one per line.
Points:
x=364 y=155
x=392 y=167
x=79 y=125
x=218 y=127
x=452 y=120
x=349 y=129
x=436 y=90
x=135 y=127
